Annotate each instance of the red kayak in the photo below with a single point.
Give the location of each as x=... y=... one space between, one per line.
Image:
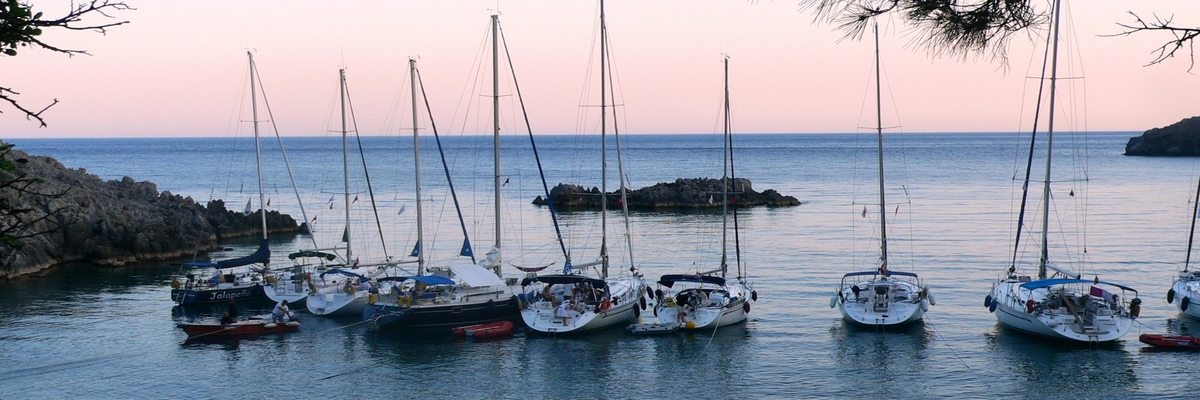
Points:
x=1171 y=342
x=241 y=328
x=485 y=331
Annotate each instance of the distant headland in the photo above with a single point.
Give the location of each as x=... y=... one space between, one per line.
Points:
x=115 y=222
x=1181 y=139
x=683 y=193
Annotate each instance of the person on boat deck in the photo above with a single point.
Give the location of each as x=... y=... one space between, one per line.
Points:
x=561 y=312
x=681 y=316
x=216 y=278
x=226 y=319
x=232 y=309
x=281 y=310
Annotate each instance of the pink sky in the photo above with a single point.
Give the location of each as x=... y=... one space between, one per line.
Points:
x=176 y=68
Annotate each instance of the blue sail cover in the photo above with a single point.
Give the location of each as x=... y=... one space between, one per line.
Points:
x=1051 y=282
x=876 y=272
x=340 y=271
x=260 y=256
x=669 y=280
x=564 y=279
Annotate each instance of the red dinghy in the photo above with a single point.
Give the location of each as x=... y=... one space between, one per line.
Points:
x=485 y=331
x=1171 y=342
x=241 y=328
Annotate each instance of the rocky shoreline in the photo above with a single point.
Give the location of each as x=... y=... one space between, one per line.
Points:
x=1181 y=139
x=113 y=223
x=692 y=193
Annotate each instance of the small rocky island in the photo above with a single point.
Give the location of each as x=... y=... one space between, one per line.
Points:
x=1181 y=139
x=111 y=223
x=683 y=193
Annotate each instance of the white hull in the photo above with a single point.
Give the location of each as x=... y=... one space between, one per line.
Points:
x=541 y=314
x=722 y=306
x=1187 y=291
x=1099 y=325
x=337 y=303
x=900 y=304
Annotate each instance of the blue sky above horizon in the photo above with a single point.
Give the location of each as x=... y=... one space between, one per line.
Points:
x=175 y=71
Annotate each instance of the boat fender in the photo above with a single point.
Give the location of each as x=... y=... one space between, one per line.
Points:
x=176 y=284
x=658 y=293
x=832 y=301
x=987 y=301
x=404 y=301
x=754 y=295
x=691 y=324
x=745 y=307
x=637 y=313
x=270 y=325
x=642 y=300
x=655 y=311
x=1052 y=324
x=929 y=295
x=372 y=298
x=992 y=307
x=1183 y=303
x=1170 y=295
x=925 y=305
x=1135 y=307
x=1030 y=306
x=293 y=323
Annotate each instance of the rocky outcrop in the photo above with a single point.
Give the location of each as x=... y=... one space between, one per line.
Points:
x=683 y=193
x=115 y=222
x=1179 y=139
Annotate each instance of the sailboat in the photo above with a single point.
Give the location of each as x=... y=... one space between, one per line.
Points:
x=572 y=302
x=460 y=295
x=1060 y=305
x=1187 y=286
x=704 y=300
x=226 y=283
x=881 y=297
x=343 y=290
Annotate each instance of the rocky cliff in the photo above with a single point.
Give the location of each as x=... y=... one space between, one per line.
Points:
x=683 y=193
x=1179 y=139
x=112 y=223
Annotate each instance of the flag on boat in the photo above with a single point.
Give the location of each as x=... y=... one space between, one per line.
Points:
x=416 y=250
x=355 y=199
x=355 y=263
x=710 y=199
x=268 y=202
x=864 y=213
x=466 y=249
x=331 y=199
x=247 y=211
x=505 y=182
x=401 y=210
x=567 y=268
x=346 y=234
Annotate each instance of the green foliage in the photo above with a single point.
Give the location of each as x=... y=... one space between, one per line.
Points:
x=18 y=26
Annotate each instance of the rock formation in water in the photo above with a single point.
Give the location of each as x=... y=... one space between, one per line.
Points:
x=1179 y=139
x=115 y=222
x=683 y=193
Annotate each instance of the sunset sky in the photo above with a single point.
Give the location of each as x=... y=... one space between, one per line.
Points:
x=177 y=68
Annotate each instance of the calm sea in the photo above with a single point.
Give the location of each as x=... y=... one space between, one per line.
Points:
x=952 y=199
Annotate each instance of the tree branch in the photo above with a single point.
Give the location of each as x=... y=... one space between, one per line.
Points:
x=1183 y=37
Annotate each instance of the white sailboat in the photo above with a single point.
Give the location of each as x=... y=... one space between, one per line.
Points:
x=572 y=302
x=458 y=295
x=881 y=297
x=1186 y=288
x=704 y=300
x=1060 y=305
x=343 y=290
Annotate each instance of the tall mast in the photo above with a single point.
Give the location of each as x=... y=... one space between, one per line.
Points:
x=1045 y=258
x=1192 y=234
x=883 y=256
x=257 y=149
x=345 y=163
x=412 y=69
x=496 y=120
x=725 y=179
x=603 y=150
